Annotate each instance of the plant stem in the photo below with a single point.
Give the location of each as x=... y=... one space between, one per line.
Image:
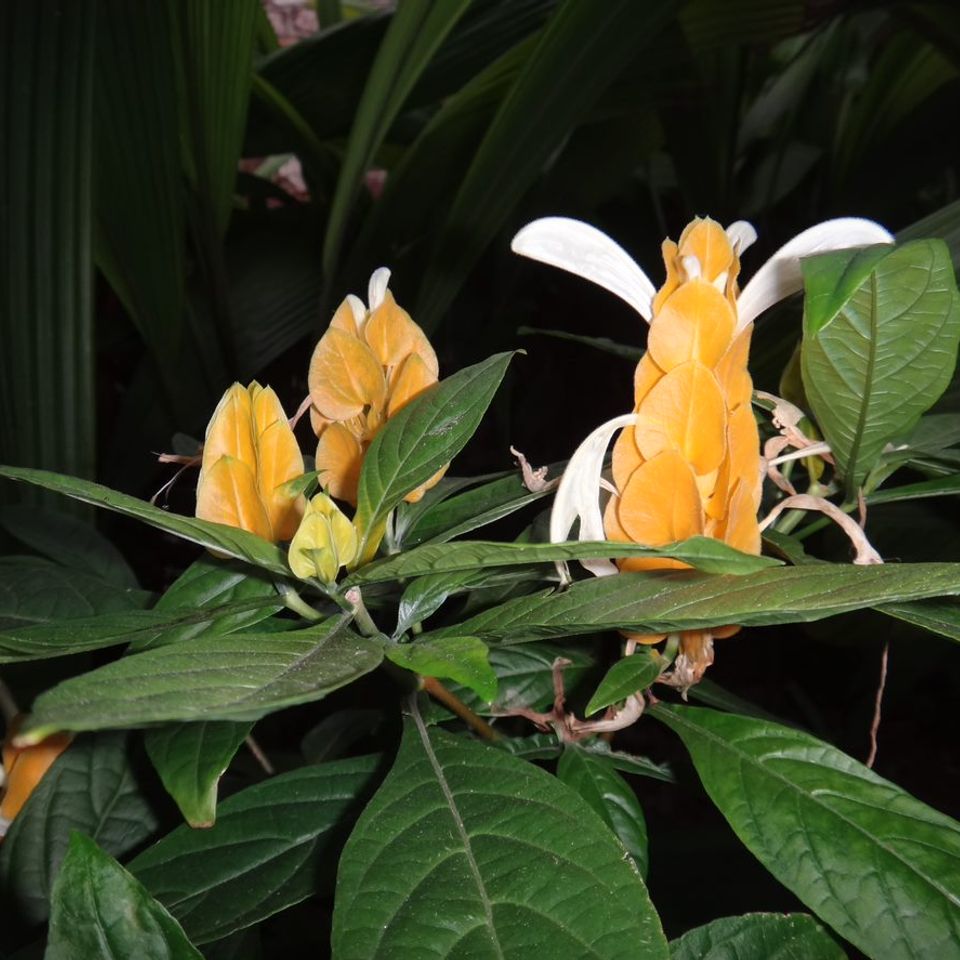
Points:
x=293 y=601
x=455 y=705
x=361 y=615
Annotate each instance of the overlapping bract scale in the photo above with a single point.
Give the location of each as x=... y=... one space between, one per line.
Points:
x=367 y=366
x=249 y=455
x=691 y=463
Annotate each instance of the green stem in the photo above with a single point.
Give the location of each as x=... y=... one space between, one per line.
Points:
x=361 y=615
x=293 y=601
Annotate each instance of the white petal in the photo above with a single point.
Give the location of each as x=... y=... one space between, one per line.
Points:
x=579 y=492
x=589 y=253
x=378 y=287
x=780 y=275
x=741 y=235
x=359 y=309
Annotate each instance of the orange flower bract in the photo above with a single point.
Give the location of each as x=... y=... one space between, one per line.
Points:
x=23 y=769
x=367 y=366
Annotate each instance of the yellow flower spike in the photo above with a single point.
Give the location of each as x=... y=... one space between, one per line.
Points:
x=325 y=541
x=249 y=454
x=687 y=460
x=370 y=363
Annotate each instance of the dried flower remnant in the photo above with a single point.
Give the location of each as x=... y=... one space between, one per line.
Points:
x=687 y=460
x=368 y=365
x=249 y=455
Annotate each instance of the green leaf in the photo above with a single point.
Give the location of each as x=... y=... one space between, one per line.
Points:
x=758 y=936
x=464 y=659
x=140 y=628
x=605 y=344
x=456 y=515
x=878 y=866
x=46 y=296
x=937 y=616
x=881 y=328
x=416 y=31
x=441 y=860
x=705 y=553
x=425 y=595
x=231 y=541
x=140 y=222
x=100 y=912
x=582 y=49
x=212 y=584
x=241 y=676
x=90 y=787
x=608 y=794
x=626 y=677
x=685 y=600
x=38 y=591
x=273 y=845
x=190 y=759
x=70 y=541
x=424 y=436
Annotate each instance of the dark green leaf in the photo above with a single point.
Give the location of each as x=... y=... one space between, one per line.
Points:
x=273 y=845
x=416 y=31
x=594 y=778
x=630 y=763
x=90 y=787
x=38 y=591
x=142 y=628
x=241 y=676
x=684 y=600
x=881 y=328
x=426 y=434
x=626 y=677
x=758 y=936
x=46 y=298
x=100 y=912
x=582 y=49
x=598 y=343
x=705 y=553
x=464 y=659
x=444 y=858
x=69 y=541
x=190 y=759
x=877 y=865
x=231 y=541
x=937 y=616
x=459 y=514
x=333 y=736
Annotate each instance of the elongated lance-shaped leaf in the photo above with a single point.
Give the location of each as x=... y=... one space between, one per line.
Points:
x=141 y=229
x=140 y=628
x=241 y=676
x=877 y=865
x=46 y=363
x=413 y=445
x=190 y=759
x=101 y=912
x=273 y=845
x=584 y=46
x=91 y=787
x=627 y=676
x=704 y=553
x=758 y=936
x=231 y=541
x=466 y=851
x=685 y=600
x=416 y=31
x=463 y=659
x=880 y=334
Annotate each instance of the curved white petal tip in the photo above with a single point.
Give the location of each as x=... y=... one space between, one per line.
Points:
x=378 y=287
x=780 y=275
x=578 y=495
x=358 y=307
x=576 y=247
x=741 y=235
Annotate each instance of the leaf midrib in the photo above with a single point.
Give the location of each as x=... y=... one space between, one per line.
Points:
x=752 y=761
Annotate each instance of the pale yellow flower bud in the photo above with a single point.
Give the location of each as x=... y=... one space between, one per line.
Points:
x=325 y=541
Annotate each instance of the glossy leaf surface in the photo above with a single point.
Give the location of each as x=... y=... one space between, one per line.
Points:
x=468 y=852
x=627 y=676
x=464 y=659
x=880 y=867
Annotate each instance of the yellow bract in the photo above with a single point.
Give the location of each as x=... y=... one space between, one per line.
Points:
x=325 y=541
x=367 y=366
x=249 y=454
x=691 y=464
